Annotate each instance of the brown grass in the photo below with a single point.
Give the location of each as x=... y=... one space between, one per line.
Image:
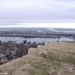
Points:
x=56 y=58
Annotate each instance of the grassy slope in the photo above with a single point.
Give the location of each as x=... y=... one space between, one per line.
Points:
x=56 y=58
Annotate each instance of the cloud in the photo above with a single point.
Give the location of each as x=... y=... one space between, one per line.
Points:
x=26 y=11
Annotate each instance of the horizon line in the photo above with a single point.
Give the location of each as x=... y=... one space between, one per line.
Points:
x=40 y=25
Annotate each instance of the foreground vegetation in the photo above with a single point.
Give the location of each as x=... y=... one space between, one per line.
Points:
x=52 y=59
x=53 y=64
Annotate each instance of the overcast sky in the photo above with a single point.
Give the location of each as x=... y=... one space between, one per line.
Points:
x=21 y=12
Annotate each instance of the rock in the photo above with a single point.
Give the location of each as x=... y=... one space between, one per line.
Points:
x=73 y=68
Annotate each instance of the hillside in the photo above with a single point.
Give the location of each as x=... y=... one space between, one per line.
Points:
x=55 y=58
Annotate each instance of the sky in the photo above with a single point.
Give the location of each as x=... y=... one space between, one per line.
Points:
x=37 y=13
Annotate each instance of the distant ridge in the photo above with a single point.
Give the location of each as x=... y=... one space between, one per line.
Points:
x=39 y=29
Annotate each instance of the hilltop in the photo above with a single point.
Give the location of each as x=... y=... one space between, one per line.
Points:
x=55 y=58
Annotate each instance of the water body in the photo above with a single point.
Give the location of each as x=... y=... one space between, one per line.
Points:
x=20 y=39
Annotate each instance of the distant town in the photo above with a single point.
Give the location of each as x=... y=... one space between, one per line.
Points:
x=37 y=32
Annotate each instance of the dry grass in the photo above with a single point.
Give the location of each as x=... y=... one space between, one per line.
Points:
x=56 y=58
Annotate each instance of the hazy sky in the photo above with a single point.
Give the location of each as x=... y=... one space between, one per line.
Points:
x=13 y=12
